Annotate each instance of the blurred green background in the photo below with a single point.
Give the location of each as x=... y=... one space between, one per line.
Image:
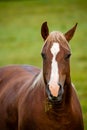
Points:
x=21 y=42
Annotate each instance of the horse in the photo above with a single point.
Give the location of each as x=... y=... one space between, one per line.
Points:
x=41 y=99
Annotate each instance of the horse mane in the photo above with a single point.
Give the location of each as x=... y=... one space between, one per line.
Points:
x=38 y=80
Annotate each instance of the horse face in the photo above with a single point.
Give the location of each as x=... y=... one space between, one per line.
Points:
x=56 y=70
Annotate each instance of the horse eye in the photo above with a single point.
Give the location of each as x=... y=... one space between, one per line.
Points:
x=67 y=56
x=43 y=55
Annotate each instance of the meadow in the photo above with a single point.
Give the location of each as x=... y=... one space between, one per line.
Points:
x=21 y=42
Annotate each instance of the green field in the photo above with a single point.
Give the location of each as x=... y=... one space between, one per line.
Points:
x=21 y=42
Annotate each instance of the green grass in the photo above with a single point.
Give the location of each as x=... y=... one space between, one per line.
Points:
x=21 y=42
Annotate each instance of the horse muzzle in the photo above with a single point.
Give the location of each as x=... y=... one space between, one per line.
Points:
x=55 y=93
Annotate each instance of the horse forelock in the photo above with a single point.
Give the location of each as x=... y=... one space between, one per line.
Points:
x=59 y=37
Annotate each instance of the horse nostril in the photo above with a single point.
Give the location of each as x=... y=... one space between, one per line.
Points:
x=61 y=90
x=50 y=96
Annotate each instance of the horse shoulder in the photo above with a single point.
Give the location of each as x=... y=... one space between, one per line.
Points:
x=28 y=110
x=76 y=109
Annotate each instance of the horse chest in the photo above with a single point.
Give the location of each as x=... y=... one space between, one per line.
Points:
x=49 y=119
x=51 y=122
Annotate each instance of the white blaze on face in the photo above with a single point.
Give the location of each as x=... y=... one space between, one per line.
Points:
x=54 y=78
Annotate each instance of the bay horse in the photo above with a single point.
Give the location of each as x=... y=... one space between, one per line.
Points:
x=41 y=99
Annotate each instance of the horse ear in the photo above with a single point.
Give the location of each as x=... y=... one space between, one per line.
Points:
x=68 y=35
x=44 y=30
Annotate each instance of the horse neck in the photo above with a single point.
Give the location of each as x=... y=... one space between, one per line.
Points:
x=67 y=90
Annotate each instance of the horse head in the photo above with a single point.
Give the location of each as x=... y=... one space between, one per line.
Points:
x=56 y=61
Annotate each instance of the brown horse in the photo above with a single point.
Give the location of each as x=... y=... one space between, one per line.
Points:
x=34 y=99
